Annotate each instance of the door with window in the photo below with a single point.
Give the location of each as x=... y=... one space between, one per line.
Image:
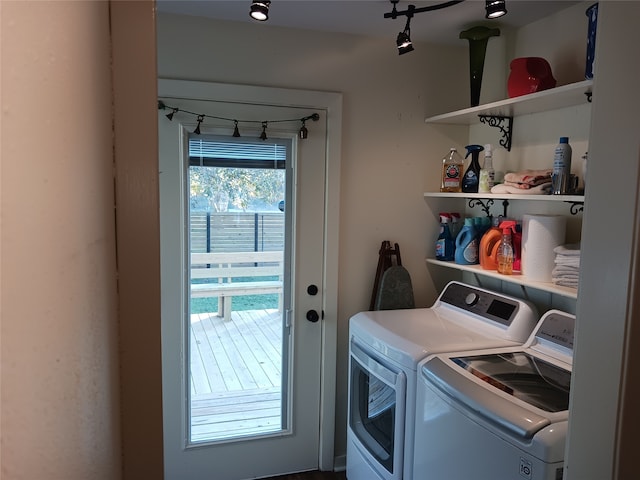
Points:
x=242 y=245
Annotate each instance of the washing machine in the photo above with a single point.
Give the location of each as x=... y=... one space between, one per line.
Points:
x=384 y=350
x=497 y=413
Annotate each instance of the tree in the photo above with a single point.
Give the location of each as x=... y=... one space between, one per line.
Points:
x=245 y=188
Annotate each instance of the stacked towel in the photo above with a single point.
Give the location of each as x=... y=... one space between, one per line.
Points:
x=567 y=265
x=527 y=181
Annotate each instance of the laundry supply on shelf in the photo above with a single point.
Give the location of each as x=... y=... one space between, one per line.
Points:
x=502 y=188
x=567 y=265
x=527 y=179
x=445 y=244
x=533 y=182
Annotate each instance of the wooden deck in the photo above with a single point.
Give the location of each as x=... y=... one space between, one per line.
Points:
x=236 y=369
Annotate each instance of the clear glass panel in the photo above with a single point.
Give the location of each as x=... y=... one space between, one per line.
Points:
x=237 y=242
x=524 y=376
x=373 y=414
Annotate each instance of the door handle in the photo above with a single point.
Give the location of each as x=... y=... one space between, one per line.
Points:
x=313 y=316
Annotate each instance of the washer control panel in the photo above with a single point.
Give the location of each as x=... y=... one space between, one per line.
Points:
x=490 y=305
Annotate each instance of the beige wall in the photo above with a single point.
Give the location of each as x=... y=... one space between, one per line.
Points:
x=60 y=410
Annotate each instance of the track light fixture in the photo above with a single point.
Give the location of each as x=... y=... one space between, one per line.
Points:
x=495 y=8
x=404 y=38
x=260 y=10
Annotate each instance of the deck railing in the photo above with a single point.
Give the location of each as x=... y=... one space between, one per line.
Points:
x=236 y=231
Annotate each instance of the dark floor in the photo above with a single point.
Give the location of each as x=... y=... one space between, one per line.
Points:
x=313 y=476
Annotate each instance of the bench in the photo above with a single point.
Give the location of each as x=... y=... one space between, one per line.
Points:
x=223 y=272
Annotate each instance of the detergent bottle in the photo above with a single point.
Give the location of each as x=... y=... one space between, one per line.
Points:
x=471 y=178
x=505 y=249
x=489 y=246
x=466 y=252
x=444 y=244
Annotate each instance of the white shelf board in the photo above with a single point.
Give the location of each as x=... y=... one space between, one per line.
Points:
x=552 y=99
x=516 y=278
x=508 y=196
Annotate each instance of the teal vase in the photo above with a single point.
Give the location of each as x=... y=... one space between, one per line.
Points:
x=478 y=38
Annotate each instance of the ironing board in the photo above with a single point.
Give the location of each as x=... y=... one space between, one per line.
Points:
x=392 y=289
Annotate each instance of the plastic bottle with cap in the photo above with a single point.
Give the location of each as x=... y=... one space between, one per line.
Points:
x=466 y=252
x=451 y=175
x=471 y=177
x=444 y=244
x=505 y=249
x=487 y=173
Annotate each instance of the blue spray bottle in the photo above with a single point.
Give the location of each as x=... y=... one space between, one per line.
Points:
x=471 y=178
x=444 y=244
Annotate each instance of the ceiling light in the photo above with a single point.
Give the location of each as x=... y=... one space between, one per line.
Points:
x=260 y=10
x=495 y=8
x=404 y=38
x=404 y=43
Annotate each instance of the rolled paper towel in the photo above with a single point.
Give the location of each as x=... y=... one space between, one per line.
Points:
x=540 y=235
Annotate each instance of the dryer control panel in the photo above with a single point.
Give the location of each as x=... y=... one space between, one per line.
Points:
x=490 y=305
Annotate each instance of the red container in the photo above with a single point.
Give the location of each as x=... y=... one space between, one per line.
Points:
x=529 y=75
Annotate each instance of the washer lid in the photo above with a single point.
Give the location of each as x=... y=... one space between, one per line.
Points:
x=485 y=404
x=522 y=375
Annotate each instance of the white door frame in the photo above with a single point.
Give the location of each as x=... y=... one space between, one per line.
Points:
x=332 y=104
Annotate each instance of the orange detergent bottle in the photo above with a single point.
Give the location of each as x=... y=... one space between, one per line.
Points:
x=488 y=250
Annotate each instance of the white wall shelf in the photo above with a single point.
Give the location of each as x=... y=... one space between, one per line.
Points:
x=560 y=97
x=516 y=278
x=509 y=196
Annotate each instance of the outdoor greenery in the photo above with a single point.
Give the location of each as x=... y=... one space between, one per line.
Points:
x=245 y=302
x=242 y=188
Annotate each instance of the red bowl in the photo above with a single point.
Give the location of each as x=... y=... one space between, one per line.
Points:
x=529 y=75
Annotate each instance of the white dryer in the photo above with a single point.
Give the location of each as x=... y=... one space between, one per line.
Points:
x=497 y=413
x=385 y=348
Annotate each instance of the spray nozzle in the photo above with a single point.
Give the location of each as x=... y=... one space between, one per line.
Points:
x=508 y=226
x=473 y=149
x=445 y=218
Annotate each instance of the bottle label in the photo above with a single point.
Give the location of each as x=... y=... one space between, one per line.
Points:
x=440 y=247
x=451 y=176
x=470 y=253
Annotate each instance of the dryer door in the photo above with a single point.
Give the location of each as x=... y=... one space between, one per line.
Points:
x=376 y=409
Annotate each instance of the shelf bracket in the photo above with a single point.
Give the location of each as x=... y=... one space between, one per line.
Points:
x=499 y=121
x=576 y=207
x=486 y=203
x=477 y=202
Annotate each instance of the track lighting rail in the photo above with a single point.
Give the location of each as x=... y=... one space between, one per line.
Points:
x=394 y=13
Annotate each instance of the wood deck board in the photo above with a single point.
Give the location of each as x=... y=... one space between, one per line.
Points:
x=236 y=371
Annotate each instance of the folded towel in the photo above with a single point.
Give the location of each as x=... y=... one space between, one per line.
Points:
x=562 y=270
x=568 y=249
x=542 y=189
x=529 y=178
x=568 y=261
x=566 y=283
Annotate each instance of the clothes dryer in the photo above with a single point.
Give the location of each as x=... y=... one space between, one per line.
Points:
x=384 y=350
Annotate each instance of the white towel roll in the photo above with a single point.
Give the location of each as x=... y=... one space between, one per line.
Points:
x=540 y=235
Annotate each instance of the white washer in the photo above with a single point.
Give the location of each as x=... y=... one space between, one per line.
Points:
x=385 y=348
x=497 y=413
